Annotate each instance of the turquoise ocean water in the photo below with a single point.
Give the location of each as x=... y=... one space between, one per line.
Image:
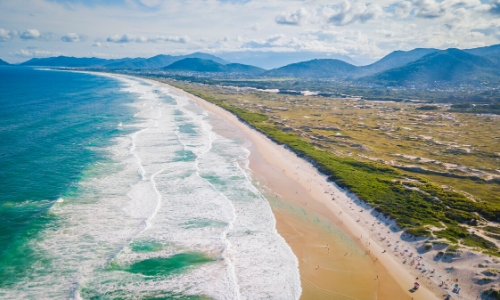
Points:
x=113 y=187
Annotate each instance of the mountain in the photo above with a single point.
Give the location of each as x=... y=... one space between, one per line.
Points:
x=317 y=68
x=160 y=61
x=242 y=68
x=271 y=60
x=156 y=62
x=393 y=60
x=205 y=56
x=485 y=51
x=205 y=65
x=494 y=57
x=124 y=63
x=65 y=61
x=3 y=63
x=449 y=67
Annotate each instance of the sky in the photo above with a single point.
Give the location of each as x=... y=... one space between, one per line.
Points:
x=242 y=30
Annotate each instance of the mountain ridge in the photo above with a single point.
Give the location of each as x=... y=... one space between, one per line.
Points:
x=316 y=68
x=451 y=66
x=204 y=65
x=418 y=66
x=155 y=62
x=394 y=59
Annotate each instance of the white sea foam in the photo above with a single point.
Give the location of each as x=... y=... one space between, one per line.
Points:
x=174 y=183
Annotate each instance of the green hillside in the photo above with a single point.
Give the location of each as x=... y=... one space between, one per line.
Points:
x=317 y=68
x=450 y=67
x=204 y=65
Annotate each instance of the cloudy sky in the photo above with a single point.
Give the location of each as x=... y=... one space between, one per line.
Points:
x=361 y=30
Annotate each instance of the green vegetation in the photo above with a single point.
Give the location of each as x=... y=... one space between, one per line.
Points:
x=415 y=204
x=493 y=232
x=453 y=233
x=492 y=294
x=476 y=108
x=342 y=89
x=418 y=231
x=428 y=107
x=490 y=272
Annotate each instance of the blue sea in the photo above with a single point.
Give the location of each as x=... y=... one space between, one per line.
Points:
x=114 y=187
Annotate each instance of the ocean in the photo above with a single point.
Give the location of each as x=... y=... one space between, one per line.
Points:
x=114 y=187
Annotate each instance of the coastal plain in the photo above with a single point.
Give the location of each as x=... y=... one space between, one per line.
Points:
x=334 y=261
x=434 y=151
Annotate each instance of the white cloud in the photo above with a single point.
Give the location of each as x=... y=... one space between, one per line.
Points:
x=277 y=40
x=378 y=27
x=385 y=33
x=494 y=7
x=176 y=39
x=403 y=9
x=151 y=3
x=30 y=34
x=431 y=9
x=7 y=35
x=346 y=13
x=35 y=53
x=294 y=18
x=255 y=27
x=128 y=38
x=428 y=9
x=345 y=42
x=73 y=38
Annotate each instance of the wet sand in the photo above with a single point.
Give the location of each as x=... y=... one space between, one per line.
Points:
x=337 y=259
x=317 y=237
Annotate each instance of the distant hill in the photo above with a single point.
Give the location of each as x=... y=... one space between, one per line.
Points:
x=484 y=51
x=65 y=61
x=272 y=60
x=420 y=66
x=242 y=68
x=205 y=65
x=317 y=68
x=156 y=62
x=124 y=63
x=449 y=67
x=494 y=57
x=160 y=61
x=3 y=63
x=205 y=56
x=393 y=60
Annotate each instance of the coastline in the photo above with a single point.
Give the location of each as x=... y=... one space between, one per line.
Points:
x=327 y=268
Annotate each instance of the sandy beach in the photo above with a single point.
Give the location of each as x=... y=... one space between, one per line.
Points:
x=339 y=258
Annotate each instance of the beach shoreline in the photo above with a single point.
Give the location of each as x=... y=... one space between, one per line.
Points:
x=320 y=221
x=272 y=165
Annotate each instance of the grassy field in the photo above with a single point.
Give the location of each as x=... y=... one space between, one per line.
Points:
x=437 y=173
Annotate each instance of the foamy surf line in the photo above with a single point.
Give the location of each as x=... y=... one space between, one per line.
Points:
x=174 y=214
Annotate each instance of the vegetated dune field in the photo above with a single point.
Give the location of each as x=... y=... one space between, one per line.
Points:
x=436 y=172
